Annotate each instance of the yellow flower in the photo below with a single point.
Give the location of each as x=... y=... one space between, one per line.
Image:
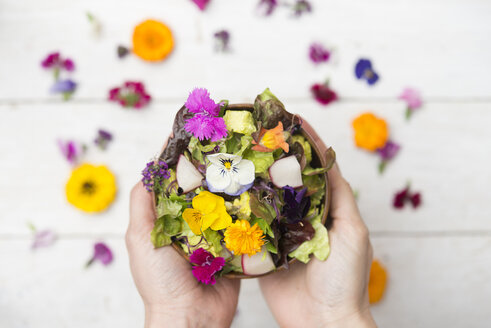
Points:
x=272 y=139
x=241 y=238
x=208 y=212
x=377 y=282
x=371 y=132
x=152 y=40
x=243 y=205
x=91 y=188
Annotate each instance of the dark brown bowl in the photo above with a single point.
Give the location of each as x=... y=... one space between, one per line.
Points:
x=319 y=159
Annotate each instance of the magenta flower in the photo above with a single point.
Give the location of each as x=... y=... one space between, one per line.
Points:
x=71 y=150
x=204 y=124
x=386 y=153
x=267 y=7
x=201 y=4
x=413 y=100
x=318 y=53
x=131 y=94
x=206 y=265
x=323 y=94
x=102 y=253
x=405 y=195
x=56 y=62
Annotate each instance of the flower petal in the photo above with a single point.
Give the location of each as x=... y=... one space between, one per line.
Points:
x=245 y=172
x=217 y=178
x=216 y=159
x=193 y=219
x=222 y=222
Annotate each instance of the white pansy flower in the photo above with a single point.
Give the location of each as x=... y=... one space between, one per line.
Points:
x=229 y=174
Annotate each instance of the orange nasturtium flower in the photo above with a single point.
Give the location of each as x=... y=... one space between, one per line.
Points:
x=152 y=40
x=371 y=132
x=377 y=282
x=208 y=212
x=272 y=139
x=241 y=238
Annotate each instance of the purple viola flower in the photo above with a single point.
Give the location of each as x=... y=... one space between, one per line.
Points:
x=386 y=153
x=102 y=253
x=296 y=206
x=364 y=71
x=71 y=150
x=154 y=175
x=413 y=100
x=64 y=86
x=103 y=138
x=222 y=39
x=300 y=7
x=206 y=266
x=43 y=238
x=267 y=7
x=318 y=53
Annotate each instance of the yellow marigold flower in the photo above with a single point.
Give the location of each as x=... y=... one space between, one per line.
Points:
x=208 y=212
x=91 y=188
x=152 y=40
x=371 y=132
x=241 y=238
x=272 y=139
x=377 y=282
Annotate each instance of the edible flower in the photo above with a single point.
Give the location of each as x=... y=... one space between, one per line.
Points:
x=42 y=238
x=206 y=265
x=122 y=51
x=103 y=138
x=413 y=100
x=364 y=71
x=201 y=4
x=229 y=174
x=208 y=211
x=222 y=39
x=102 y=253
x=386 y=153
x=131 y=94
x=241 y=238
x=323 y=94
x=71 y=150
x=204 y=124
x=267 y=7
x=318 y=53
x=65 y=87
x=272 y=139
x=296 y=205
x=154 y=175
x=376 y=282
x=91 y=188
x=95 y=24
x=57 y=63
x=371 y=132
x=405 y=195
x=300 y=7
x=152 y=40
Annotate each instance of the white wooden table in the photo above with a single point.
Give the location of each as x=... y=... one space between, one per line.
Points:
x=438 y=257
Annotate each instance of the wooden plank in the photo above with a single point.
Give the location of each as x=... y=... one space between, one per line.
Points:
x=440 y=47
x=443 y=155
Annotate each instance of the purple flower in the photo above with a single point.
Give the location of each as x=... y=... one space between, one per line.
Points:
x=300 y=7
x=69 y=65
x=413 y=100
x=296 y=204
x=266 y=7
x=43 y=238
x=222 y=39
x=386 y=153
x=70 y=150
x=102 y=253
x=201 y=4
x=64 y=86
x=103 y=138
x=318 y=53
x=206 y=265
x=364 y=71
x=204 y=124
x=154 y=175
x=323 y=94
x=405 y=195
x=131 y=94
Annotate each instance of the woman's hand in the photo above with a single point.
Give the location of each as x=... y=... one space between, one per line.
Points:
x=333 y=292
x=170 y=293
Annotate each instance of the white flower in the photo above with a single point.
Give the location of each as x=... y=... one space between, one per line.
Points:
x=229 y=174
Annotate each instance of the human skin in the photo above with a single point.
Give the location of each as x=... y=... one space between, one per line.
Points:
x=171 y=294
x=332 y=293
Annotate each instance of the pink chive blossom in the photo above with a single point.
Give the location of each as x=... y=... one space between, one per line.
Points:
x=413 y=100
x=102 y=253
x=71 y=150
x=386 y=153
x=201 y=4
x=131 y=94
x=318 y=53
x=204 y=124
x=206 y=266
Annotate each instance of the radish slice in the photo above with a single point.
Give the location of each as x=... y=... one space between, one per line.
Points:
x=188 y=177
x=258 y=263
x=286 y=172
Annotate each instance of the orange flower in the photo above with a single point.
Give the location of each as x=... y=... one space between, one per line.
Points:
x=152 y=40
x=241 y=238
x=377 y=282
x=271 y=139
x=371 y=132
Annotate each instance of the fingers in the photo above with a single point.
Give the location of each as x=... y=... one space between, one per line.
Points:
x=142 y=208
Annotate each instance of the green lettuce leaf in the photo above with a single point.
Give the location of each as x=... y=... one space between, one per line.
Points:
x=239 y=121
x=214 y=241
x=261 y=210
x=265 y=227
x=269 y=111
x=319 y=245
x=306 y=146
x=262 y=161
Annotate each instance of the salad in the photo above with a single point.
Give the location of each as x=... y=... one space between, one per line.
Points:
x=240 y=190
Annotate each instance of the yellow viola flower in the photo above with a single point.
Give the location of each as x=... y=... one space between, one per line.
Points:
x=377 y=282
x=208 y=212
x=272 y=139
x=371 y=132
x=152 y=40
x=91 y=188
x=241 y=238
